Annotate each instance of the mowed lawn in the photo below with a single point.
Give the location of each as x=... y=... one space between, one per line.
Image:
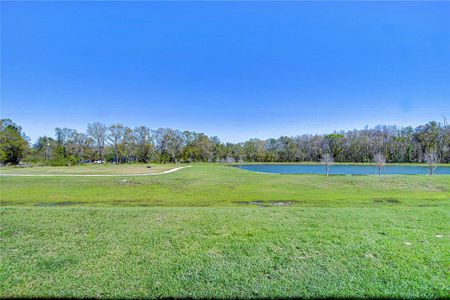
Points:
x=89 y=169
x=219 y=185
x=217 y=231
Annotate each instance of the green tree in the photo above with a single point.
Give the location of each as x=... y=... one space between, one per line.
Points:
x=13 y=143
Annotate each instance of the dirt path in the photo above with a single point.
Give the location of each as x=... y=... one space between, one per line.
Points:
x=96 y=175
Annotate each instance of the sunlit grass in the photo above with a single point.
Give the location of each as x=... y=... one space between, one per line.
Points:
x=218 y=231
x=215 y=185
x=123 y=169
x=389 y=251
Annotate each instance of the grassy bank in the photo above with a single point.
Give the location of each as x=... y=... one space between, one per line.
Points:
x=218 y=231
x=89 y=169
x=212 y=185
x=225 y=252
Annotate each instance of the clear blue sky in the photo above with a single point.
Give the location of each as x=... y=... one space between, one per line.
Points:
x=236 y=70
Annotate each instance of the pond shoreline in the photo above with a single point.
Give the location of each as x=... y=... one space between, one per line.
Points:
x=342 y=169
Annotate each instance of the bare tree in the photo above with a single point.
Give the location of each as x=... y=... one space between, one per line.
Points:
x=78 y=144
x=380 y=161
x=327 y=160
x=116 y=138
x=169 y=141
x=143 y=142
x=99 y=133
x=432 y=160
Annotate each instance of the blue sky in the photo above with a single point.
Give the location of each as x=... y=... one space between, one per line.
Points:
x=232 y=69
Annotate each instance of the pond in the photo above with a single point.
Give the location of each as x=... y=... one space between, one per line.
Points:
x=342 y=169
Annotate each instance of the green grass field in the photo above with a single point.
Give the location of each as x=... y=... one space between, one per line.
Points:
x=218 y=231
x=89 y=169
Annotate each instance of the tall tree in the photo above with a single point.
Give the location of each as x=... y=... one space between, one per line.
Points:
x=62 y=137
x=169 y=143
x=175 y=142
x=46 y=148
x=79 y=146
x=99 y=134
x=116 y=137
x=143 y=143
x=13 y=143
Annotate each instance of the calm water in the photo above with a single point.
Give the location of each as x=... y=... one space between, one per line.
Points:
x=342 y=169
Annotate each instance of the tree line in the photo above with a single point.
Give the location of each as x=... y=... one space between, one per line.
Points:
x=118 y=143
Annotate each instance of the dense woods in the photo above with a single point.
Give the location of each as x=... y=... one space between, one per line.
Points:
x=118 y=143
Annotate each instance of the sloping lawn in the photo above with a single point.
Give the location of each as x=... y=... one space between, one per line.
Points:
x=215 y=231
x=224 y=252
x=215 y=185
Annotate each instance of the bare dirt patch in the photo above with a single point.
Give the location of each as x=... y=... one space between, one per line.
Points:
x=127 y=182
x=282 y=203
